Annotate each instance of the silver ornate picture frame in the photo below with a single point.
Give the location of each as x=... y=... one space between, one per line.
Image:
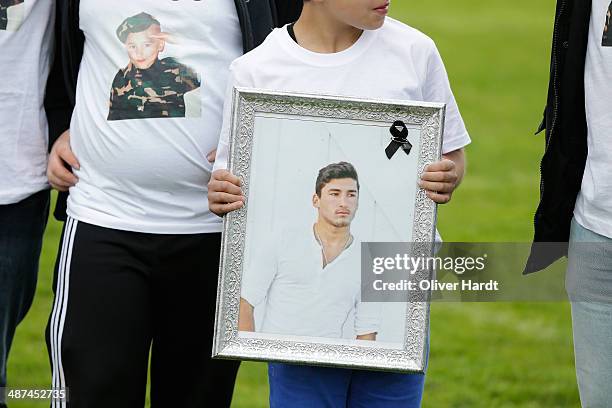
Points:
x=296 y=121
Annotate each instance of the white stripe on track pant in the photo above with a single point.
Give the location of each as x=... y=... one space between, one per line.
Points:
x=58 y=314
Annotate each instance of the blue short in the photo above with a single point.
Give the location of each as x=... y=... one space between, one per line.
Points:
x=321 y=387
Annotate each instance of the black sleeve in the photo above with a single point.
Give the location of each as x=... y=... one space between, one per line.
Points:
x=288 y=11
x=57 y=103
x=59 y=113
x=61 y=84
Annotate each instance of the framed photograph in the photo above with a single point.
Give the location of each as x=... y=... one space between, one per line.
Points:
x=322 y=176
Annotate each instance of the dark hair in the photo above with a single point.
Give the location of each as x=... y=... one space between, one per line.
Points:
x=335 y=171
x=135 y=24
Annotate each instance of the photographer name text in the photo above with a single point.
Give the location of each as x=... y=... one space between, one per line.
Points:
x=435 y=285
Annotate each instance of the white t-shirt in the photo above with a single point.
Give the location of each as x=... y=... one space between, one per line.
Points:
x=148 y=110
x=594 y=205
x=393 y=62
x=304 y=299
x=26 y=39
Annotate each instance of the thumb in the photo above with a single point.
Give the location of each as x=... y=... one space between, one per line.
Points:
x=212 y=156
x=68 y=156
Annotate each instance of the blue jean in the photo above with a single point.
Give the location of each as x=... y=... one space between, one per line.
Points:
x=21 y=230
x=589 y=285
x=295 y=386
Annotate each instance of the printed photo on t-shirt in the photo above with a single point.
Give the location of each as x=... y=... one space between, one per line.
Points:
x=607 y=35
x=11 y=14
x=151 y=86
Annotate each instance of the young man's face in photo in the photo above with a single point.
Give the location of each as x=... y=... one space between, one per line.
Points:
x=144 y=47
x=363 y=14
x=338 y=202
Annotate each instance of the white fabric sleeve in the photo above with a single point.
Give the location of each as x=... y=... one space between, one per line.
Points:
x=236 y=78
x=437 y=89
x=222 y=158
x=368 y=317
x=258 y=275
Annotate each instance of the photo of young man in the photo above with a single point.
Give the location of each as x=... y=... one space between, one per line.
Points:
x=149 y=87
x=312 y=287
x=4 y=8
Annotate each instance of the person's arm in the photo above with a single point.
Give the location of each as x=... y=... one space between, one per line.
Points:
x=257 y=279
x=189 y=78
x=246 y=320
x=368 y=317
x=118 y=105
x=61 y=160
x=58 y=106
x=442 y=178
x=369 y=336
x=224 y=192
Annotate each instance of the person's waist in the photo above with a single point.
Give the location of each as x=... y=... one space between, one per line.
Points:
x=127 y=192
x=163 y=215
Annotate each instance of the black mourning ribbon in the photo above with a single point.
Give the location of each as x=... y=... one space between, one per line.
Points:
x=399 y=131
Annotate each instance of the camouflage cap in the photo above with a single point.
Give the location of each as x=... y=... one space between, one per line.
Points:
x=135 y=24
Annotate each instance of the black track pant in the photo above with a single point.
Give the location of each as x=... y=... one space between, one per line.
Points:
x=119 y=295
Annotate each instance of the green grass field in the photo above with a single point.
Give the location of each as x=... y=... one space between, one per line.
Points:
x=482 y=355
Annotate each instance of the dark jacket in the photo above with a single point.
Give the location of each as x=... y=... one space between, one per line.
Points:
x=257 y=19
x=565 y=151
